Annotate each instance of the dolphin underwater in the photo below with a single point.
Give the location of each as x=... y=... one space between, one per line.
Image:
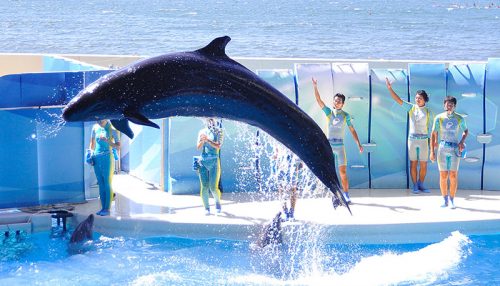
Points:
x=83 y=231
x=205 y=83
x=271 y=233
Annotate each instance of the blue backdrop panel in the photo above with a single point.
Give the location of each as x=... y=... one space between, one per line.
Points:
x=146 y=152
x=388 y=126
x=40 y=89
x=18 y=159
x=91 y=76
x=352 y=80
x=492 y=94
x=432 y=79
x=60 y=158
x=10 y=91
x=466 y=83
x=73 y=84
x=43 y=89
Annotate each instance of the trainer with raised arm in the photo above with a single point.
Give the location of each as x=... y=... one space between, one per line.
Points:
x=418 y=136
x=447 y=127
x=338 y=119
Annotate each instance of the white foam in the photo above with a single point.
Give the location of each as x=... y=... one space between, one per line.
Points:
x=422 y=266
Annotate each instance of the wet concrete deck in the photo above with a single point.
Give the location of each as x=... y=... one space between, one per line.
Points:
x=378 y=215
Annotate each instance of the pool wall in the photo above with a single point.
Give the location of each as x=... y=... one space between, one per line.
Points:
x=38 y=169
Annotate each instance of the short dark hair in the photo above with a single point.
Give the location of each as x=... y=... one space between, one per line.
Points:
x=423 y=94
x=451 y=99
x=341 y=96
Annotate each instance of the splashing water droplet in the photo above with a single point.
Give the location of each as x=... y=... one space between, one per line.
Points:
x=48 y=124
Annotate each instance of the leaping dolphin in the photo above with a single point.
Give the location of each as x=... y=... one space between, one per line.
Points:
x=205 y=83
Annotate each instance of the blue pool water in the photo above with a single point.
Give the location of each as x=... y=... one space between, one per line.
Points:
x=42 y=259
x=413 y=30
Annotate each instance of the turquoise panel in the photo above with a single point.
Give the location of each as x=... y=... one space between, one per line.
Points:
x=245 y=165
x=51 y=63
x=466 y=83
x=388 y=125
x=182 y=148
x=432 y=79
x=492 y=94
x=89 y=178
x=165 y=162
x=10 y=91
x=283 y=80
x=352 y=80
x=146 y=152
x=259 y=145
x=323 y=74
x=306 y=100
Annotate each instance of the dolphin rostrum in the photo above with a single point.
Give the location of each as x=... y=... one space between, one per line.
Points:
x=205 y=83
x=83 y=231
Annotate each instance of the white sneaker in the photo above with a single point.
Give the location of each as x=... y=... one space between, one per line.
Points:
x=452 y=204
x=207 y=212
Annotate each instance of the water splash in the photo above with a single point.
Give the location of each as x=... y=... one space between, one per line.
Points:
x=422 y=267
x=48 y=122
x=316 y=266
x=266 y=166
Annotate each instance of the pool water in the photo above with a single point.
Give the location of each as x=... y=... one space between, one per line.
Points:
x=44 y=259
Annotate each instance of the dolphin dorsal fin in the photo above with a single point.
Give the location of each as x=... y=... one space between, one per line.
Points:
x=216 y=48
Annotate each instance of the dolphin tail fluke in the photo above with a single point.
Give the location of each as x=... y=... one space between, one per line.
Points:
x=337 y=197
x=348 y=208
x=122 y=126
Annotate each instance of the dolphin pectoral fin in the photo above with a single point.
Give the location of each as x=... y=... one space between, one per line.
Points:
x=122 y=126
x=140 y=119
